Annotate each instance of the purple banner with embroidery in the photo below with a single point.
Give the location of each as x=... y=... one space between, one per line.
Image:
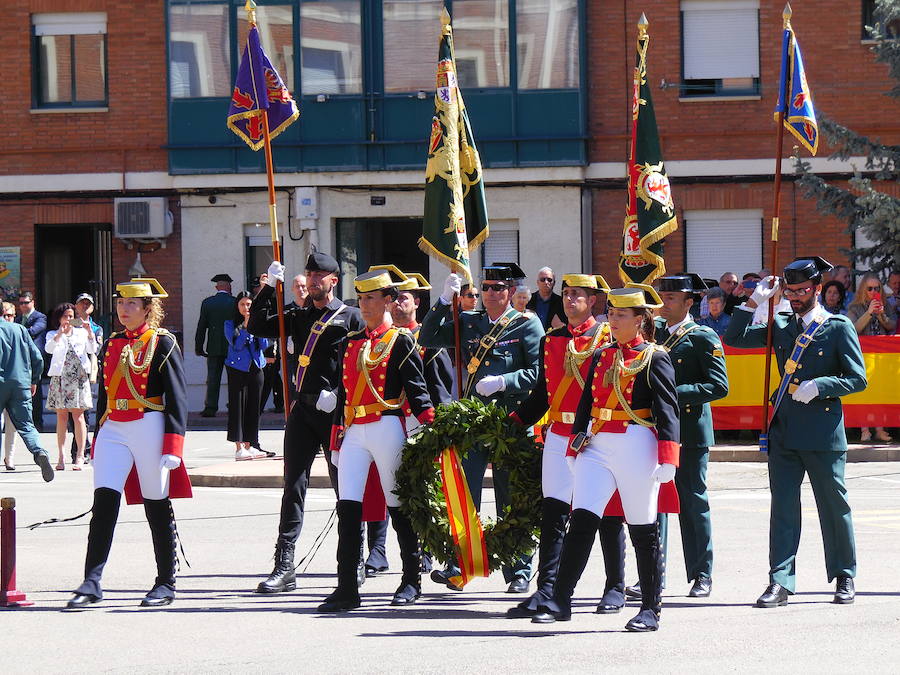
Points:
x=259 y=87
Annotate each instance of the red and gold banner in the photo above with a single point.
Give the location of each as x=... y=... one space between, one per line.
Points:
x=465 y=525
x=876 y=406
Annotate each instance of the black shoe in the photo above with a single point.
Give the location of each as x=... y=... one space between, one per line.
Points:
x=522 y=611
x=612 y=602
x=443 y=577
x=701 y=589
x=336 y=603
x=634 y=591
x=845 y=591
x=547 y=616
x=208 y=413
x=775 y=595
x=43 y=461
x=82 y=600
x=283 y=578
x=645 y=622
x=374 y=571
x=406 y=594
x=268 y=453
x=157 y=602
x=518 y=585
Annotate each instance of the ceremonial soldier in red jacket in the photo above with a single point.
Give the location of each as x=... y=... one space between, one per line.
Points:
x=625 y=439
x=381 y=367
x=564 y=366
x=141 y=419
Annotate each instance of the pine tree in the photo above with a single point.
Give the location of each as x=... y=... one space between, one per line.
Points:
x=875 y=214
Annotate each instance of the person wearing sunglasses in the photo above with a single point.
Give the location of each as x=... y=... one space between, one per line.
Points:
x=872 y=316
x=820 y=361
x=468 y=298
x=545 y=303
x=36 y=324
x=500 y=351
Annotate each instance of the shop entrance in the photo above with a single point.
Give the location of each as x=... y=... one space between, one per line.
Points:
x=73 y=259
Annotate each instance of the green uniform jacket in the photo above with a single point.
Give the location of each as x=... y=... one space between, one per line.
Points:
x=214 y=312
x=21 y=362
x=515 y=354
x=700 y=377
x=833 y=359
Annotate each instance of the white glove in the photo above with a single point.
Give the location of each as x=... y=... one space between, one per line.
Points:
x=806 y=392
x=327 y=401
x=290 y=344
x=764 y=290
x=275 y=273
x=452 y=284
x=169 y=462
x=664 y=473
x=490 y=384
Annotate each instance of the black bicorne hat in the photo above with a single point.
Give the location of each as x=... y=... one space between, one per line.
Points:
x=221 y=277
x=682 y=283
x=809 y=268
x=503 y=272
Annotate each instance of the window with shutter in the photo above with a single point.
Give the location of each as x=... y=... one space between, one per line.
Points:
x=501 y=246
x=720 y=47
x=723 y=240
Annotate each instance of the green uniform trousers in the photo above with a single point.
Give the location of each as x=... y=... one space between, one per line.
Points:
x=826 y=476
x=16 y=400
x=694 y=517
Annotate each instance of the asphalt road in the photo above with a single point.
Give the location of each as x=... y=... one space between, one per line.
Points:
x=218 y=624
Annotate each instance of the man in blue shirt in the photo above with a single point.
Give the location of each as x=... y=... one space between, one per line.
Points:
x=36 y=324
x=545 y=303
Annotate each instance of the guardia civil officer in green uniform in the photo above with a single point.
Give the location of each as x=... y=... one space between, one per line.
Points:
x=214 y=312
x=820 y=360
x=700 y=378
x=501 y=351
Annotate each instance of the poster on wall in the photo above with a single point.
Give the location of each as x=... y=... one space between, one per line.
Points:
x=10 y=272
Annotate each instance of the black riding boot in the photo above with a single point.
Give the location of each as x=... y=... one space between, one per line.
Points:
x=612 y=541
x=576 y=550
x=161 y=519
x=554 y=516
x=283 y=577
x=376 y=534
x=346 y=595
x=104 y=514
x=645 y=539
x=411 y=582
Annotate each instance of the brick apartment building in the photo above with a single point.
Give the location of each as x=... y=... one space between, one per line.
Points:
x=118 y=101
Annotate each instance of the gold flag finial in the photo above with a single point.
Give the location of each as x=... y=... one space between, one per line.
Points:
x=250 y=6
x=786 y=14
x=642 y=25
x=445 y=16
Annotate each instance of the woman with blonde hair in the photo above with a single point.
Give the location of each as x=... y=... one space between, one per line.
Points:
x=872 y=316
x=71 y=343
x=139 y=439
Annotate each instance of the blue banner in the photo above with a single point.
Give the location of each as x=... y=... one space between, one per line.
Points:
x=259 y=87
x=798 y=109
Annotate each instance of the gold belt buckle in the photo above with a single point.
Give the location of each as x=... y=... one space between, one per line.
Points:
x=605 y=414
x=568 y=418
x=121 y=404
x=359 y=411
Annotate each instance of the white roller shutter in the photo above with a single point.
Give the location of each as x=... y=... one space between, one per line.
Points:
x=501 y=246
x=74 y=23
x=720 y=39
x=726 y=240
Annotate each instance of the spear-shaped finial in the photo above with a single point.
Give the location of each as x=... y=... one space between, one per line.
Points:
x=786 y=14
x=445 y=16
x=642 y=25
x=250 y=6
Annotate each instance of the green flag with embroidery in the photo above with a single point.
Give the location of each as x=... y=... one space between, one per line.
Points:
x=650 y=211
x=455 y=219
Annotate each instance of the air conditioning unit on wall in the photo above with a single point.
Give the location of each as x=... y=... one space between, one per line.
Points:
x=142 y=218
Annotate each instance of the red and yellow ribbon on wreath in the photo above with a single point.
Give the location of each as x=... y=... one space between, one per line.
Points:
x=465 y=524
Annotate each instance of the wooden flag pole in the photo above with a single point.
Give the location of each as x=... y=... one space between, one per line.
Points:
x=457 y=344
x=276 y=252
x=776 y=208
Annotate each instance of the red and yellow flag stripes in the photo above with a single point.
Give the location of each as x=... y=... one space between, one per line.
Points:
x=465 y=525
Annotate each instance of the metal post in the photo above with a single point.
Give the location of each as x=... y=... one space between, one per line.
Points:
x=9 y=596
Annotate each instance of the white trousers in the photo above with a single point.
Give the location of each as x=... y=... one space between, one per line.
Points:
x=121 y=445
x=557 y=479
x=619 y=461
x=381 y=442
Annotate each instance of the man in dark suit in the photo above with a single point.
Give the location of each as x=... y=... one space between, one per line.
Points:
x=214 y=312
x=36 y=324
x=545 y=303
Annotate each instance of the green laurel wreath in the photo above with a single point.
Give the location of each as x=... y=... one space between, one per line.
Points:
x=464 y=425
